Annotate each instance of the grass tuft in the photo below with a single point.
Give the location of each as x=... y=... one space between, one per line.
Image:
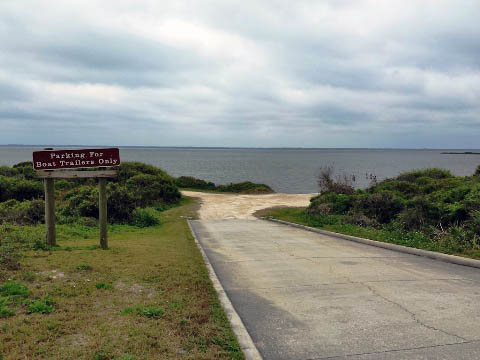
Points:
x=14 y=289
x=42 y=306
x=147 y=311
x=102 y=285
x=4 y=310
x=83 y=267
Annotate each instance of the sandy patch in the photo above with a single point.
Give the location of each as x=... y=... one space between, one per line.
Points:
x=234 y=206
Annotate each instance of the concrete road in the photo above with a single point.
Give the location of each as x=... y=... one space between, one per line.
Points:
x=303 y=295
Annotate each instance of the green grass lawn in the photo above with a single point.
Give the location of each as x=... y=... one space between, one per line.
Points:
x=333 y=223
x=147 y=297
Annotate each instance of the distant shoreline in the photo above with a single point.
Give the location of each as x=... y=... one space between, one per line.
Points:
x=462 y=153
x=61 y=146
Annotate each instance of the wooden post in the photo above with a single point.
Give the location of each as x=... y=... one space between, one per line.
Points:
x=51 y=233
x=50 y=230
x=102 y=212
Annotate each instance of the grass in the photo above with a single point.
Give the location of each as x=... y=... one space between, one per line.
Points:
x=387 y=234
x=156 y=272
x=147 y=311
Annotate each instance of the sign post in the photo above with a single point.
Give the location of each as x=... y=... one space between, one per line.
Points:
x=102 y=212
x=47 y=162
x=51 y=231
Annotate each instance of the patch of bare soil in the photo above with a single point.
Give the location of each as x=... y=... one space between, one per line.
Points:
x=239 y=206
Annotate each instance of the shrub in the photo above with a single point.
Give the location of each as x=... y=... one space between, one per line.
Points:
x=473 y=223
x=23 y=164
x=404 y=188
x=149 y=189
x=472 y=199
x=144 y=217
x=62 y=184
x=7 y=171
x=326 y=183
x=477 y=171
x=81 y=202
x=245 y=187
x=19 y=189
x=320 y=208
x=36 y=211
x=26 y=189
x=434 y=173
x=120 y=202
x=458 y=239
x=337 y=204
x=383 y=206
x=412 y=219
x=360 y=220
x=87 y=221
x=22 y=213
x=128 y=169
x=194 y=183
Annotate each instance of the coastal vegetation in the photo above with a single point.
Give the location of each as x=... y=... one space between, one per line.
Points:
x=148 y=296
x=429 y=209
x=246 y=187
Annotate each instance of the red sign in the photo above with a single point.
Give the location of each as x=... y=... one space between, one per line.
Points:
x=77 y=158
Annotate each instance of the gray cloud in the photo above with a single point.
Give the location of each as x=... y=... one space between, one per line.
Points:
x=266 y=73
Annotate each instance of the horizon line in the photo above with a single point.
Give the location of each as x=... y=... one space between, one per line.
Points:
x=233 y=147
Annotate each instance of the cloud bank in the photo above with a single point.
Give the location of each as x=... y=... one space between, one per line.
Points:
x=339 y=73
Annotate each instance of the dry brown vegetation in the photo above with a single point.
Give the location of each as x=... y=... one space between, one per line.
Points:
x=148 y=297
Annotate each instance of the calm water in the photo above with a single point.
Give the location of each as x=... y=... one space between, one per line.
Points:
x=291 y=171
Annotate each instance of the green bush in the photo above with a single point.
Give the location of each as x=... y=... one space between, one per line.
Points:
x=120 y=202
x=23 y=164
x=405 y=188
x=149 y=189
x=434 y=173
x=458 y=238
x=81 y=202
x=22 y=213
x=245 y=187
x=194 y=183
x=128 y=169
x=87 y=221
x=144 y=217
x=477 y=171
x=21 y=189
x=382 y=206
x=62 y=184
x=8 y=171
x=360 y=220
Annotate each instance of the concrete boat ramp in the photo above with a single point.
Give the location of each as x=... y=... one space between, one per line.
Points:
x=303 y=295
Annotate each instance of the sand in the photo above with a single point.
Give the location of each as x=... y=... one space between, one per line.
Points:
x=237 y=206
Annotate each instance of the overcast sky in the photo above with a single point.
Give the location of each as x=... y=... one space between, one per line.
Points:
x=339 y=73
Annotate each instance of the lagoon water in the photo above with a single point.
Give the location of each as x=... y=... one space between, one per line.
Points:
x=286 y=170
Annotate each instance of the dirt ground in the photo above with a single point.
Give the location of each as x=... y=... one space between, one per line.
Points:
x=238 y=206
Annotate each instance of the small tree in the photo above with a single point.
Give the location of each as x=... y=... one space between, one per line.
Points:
x=477 y=171
x=341 y=185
